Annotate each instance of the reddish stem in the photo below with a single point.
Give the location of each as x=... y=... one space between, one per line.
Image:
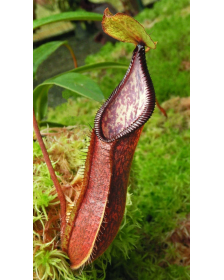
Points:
x=161 y=109
x=50 y=221
x=53 y=176
x=72 y=54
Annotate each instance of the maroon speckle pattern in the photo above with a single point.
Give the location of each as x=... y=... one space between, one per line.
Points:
x=128 y=105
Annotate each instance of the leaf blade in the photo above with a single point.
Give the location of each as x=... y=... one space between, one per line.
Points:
x=96 y=66
x=43 y=52
x=74 y=82
x=67 y=16
x=78 y=83
x=100 y=65
x=126 y=29
x=40 y=101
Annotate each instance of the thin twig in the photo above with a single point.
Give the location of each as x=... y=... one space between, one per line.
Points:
x=53 y=175
x=72 y=54
x=161 y=109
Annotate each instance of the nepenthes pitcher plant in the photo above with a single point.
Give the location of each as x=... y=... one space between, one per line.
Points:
x=95 y=219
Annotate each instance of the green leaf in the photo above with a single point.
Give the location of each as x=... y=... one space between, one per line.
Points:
x=40 y=103
x=78 y=83
x=100 y=65
x=66 y=94
x=78 y=15
x=51 y=124
x=96 y=66
x=43 y=52
x=126 y=29
x=74 y=82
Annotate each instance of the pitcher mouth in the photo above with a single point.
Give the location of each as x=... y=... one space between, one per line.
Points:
x=130 y=105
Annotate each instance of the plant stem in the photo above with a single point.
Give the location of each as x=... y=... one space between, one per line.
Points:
x=53 y=175
x=161 y=108
x=73 y=55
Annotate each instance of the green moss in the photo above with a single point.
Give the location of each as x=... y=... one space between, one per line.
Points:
x=51 y=264
x=36 y=150
x=163 y=8
x=165 y=63
x=78 y=112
